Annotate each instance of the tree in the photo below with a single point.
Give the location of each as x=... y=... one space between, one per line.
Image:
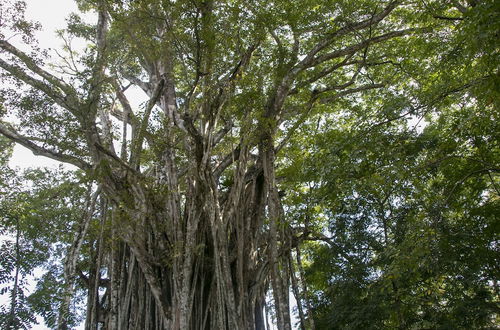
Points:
x=190 y=231
x=411 y=223
x=42 y=211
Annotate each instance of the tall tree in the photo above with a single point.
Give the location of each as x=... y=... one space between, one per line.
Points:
x=411 y=212
x=191 y=232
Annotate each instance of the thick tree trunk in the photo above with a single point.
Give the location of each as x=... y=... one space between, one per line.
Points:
x=200 y=264
x=184 y=252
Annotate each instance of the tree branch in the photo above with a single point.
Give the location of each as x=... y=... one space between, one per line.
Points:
x=227 y=161
x=354 y=48
x=146 y=87
x=98 y=76
x=55 y=95
x=30 y=64
x=323 y=73
x=137 y=148
x=459 y=6
x=346 y=30
x=37 y=150
x=350 y=91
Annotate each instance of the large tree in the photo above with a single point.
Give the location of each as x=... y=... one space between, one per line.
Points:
x=185 y=226
x=411 y=223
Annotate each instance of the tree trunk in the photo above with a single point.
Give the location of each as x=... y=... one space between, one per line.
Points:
x=199 y=264
x=72 y=258
x=12 y=322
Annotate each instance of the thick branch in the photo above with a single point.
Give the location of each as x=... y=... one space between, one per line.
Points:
x=227 y=161
x=30 y=63
x=54 y=94
x=98 y=75
x=329 y=241
x=297 y=124
x=354 y=48
x=37 y=150
x=329 y=39
x=349 y=91
x=146 y=87
x=137 y=149
x=113 y=156
x=324 y=73
x=222 y=133
x=459 y=6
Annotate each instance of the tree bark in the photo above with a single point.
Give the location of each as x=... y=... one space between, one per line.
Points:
x=12 y=322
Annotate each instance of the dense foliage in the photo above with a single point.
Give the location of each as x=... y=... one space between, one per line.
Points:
x=410 y=206
x=345 y=152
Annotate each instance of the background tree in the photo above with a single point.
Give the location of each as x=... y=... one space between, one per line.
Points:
x=410 y=212
x=41 y=212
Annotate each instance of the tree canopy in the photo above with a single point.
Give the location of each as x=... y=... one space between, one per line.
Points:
x=227 y=155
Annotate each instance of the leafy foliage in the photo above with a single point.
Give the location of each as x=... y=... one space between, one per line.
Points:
x=42 y=207
x=411 y=213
